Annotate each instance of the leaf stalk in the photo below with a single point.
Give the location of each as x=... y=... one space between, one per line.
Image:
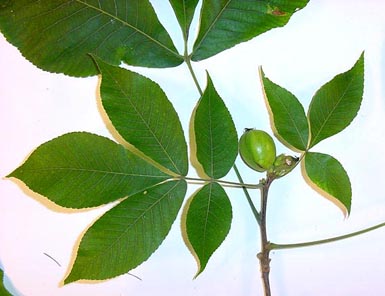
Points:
x=230 y=183
x=248 y=197
x=187 y=60
x=274 y=246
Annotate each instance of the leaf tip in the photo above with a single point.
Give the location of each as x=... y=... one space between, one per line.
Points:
x=362 y=54
x=14 y=174
x=360 y=61
x=10 y=175
x=261 y=75
x=209 y=80
x=200 y=270
x=69 y=279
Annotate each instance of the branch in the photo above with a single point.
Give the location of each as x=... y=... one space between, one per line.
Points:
x=264 y=255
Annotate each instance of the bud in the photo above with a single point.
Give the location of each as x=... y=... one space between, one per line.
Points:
x=283 y=164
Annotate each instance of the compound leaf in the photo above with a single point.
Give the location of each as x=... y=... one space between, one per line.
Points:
x=336 y=103
x=208 y=221
x=129 y=233
x=141 y=113
x=215 y=134
x=225 y=23
x=79 y=170
x=288 y=114
x=327 y=174
x=57 y=36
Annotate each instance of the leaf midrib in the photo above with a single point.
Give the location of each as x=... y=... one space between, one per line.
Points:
x=293 y=121
x=206 y=220
x=90 y=171
x=314 y=140
x=321 y=165
x=133 y=224
x=331 y=176
x=212 y=25
x=130 y=26
x=147 y=126
x=211 y=138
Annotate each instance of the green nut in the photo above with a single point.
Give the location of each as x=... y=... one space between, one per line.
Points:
x=257 y=149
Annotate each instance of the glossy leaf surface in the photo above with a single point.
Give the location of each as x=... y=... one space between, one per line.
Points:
x=328 y=174
x=288 y=114
x=184 y=11
x=225 y=23
x=129 y=233
x=79 y=170
x=141 y=113
x=215 y=134
x=208 y=221
x=57 y=36
x=336 y=104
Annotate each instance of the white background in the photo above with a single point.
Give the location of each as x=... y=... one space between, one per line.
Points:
x=322 y=40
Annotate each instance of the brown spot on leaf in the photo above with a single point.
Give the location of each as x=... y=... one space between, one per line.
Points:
x=278 y=12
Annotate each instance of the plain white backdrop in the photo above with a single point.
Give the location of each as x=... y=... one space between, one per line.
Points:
x=321 y=41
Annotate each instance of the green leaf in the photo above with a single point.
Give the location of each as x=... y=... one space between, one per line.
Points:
x=215 y=134
x=79 y=170
x=208 y=221
x=128 y=234
x=288 y=115
x=327 y=174
x=57 y=36
x=141 y=113
x=336 y=104
x=3 y=290
x=225 y=23
x=184 y=11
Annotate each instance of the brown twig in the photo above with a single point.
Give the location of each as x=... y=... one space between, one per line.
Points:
x=264 y=255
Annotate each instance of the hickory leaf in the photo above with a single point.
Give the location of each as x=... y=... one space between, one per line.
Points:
x=129 y=233
x=336 y=103
x=57 y=36
x=184 y=11
x=79 y=170
x=3 y=289
x=288 y=115
x=215 y=134
x=141 y=113
x=327 y=174
x=225 y=23
x=208 y=221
